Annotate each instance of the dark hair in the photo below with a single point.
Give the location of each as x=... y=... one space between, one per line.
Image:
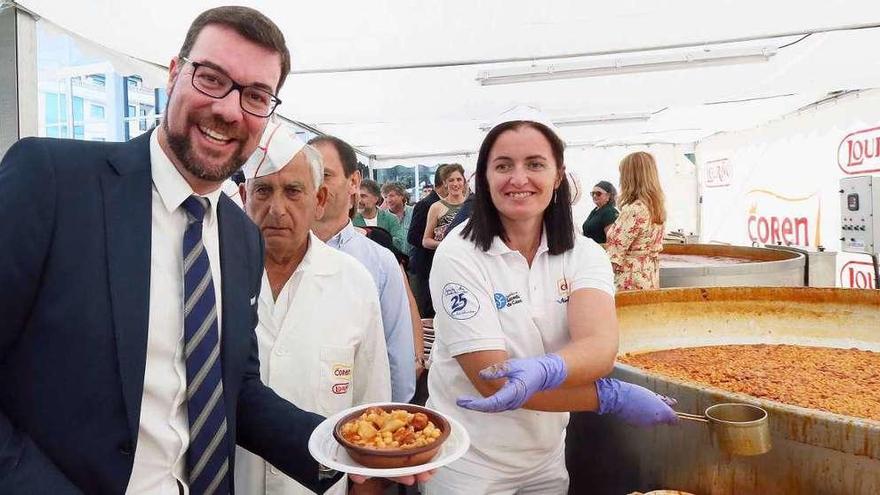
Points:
x=371 y=186
x=450 y=169
x=250 y=24
x=485 y=224
x=610 y=189
x=438 y=174
x=345 y=151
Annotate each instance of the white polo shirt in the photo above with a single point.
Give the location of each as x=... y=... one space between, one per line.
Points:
x=494 y=301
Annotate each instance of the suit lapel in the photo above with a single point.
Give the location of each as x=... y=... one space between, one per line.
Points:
x=234 y=273
x=127 y=216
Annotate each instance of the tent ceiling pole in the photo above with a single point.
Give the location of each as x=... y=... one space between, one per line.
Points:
x=695 y=44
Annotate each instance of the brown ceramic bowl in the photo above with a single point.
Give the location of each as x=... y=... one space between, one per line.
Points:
x=393 y=458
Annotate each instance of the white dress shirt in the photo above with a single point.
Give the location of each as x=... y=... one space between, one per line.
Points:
x=163 y=432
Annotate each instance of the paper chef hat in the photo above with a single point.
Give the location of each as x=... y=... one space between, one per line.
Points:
x=277 y=147
x=525 y=112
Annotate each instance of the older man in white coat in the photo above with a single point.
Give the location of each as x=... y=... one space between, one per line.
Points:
x=320 y=335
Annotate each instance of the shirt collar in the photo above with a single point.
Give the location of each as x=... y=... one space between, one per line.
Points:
x=498 y=246
x=172 y=187
x=306 y=262
x=343 y=236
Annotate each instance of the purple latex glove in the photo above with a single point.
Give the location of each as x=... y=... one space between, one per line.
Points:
x=634 y=405
x=524 y=378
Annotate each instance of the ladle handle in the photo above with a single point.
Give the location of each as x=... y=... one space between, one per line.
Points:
x=692 y=417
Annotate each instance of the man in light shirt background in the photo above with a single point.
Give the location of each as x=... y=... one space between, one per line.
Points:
x=342 y=179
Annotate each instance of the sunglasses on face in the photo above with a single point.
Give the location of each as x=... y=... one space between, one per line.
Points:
x=596 y=194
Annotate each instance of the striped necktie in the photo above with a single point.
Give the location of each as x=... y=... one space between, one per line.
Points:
x=208 y=454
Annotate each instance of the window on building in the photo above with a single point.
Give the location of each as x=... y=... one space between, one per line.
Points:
x=56 y=108
x=68 y=66
x=58 y=131
x=142 y=122
x=96 y=112
x=78 y=114
x=97 y=79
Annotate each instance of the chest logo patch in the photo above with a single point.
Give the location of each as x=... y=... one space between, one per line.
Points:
x=507 y=300
x=562 y=290
x=459 y=302
x=341 y=374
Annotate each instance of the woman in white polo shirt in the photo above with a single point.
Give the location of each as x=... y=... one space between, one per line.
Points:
x=525 y=319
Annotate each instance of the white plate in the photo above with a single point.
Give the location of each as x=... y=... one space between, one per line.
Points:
x=327 y=451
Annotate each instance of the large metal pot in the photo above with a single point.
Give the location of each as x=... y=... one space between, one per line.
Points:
x=814 y=452
x=701 y=265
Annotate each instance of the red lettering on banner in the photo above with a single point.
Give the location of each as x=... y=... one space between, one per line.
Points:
x=774 y=230
x=787 y=230
x=717 y=173
x=859 y=152
x=857 y=275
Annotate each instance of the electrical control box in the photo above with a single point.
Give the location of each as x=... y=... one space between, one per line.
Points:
x=860 y=214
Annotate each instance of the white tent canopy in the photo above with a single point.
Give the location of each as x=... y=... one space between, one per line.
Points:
x=422 y=96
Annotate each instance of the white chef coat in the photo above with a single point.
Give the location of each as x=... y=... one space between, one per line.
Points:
x=495 y=301
x=321 y=347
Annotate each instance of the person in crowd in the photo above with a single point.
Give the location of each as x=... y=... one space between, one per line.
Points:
x=420 y=258
x=526 y=322
x=129 y=287
x=604 y=214
x=395 y=197
x=464 y=213
x=320 y=338
x=427 y=189
x=342 y=179
x=636 y=238
x=370 y=215
x=441 y=213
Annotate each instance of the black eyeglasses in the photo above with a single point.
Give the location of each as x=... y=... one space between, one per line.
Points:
x=214 y=83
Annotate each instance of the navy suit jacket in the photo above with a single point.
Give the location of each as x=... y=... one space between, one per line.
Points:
x=74 y=309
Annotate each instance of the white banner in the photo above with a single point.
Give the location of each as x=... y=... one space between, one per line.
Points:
x=779 y=184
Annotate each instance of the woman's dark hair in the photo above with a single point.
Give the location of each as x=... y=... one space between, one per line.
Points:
x=485 y=224
x=610 y=189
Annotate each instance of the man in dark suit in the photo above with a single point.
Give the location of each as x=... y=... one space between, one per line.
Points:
x=128 y=292
x=420 y=258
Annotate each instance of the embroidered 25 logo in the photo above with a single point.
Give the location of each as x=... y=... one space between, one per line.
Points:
x=459 y=302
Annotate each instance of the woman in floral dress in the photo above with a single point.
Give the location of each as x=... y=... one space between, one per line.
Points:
x=636 y=238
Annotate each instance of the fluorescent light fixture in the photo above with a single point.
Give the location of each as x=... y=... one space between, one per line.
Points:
x=611 y=118
x=615 y=118
x=628 y=65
